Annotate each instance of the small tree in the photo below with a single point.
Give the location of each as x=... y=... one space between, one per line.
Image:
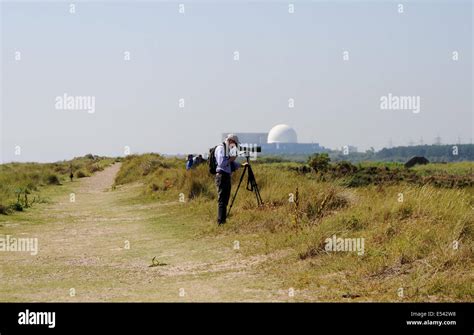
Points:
x=319 y=162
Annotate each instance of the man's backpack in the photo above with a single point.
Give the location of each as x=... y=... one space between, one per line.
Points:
x=212 y=162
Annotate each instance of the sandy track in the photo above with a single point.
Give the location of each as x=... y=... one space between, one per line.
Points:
x=100 y=248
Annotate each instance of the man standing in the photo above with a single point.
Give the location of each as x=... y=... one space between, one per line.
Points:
x=225 y=154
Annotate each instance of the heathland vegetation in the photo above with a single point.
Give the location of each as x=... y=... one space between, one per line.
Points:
x=20 y=183
x=417 y=224
x=434 y=153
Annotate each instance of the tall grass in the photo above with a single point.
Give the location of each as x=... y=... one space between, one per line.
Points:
x=20 y=183
x=417 y=237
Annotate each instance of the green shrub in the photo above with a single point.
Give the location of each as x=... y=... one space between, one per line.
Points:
x=95 y=168
x=319 y=162
x=344 y=168
x=5 y=210
x=53 y=180
x=17 y=207
x=17 y=180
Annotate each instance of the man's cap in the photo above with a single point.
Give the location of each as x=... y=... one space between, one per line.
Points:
x=233 y=137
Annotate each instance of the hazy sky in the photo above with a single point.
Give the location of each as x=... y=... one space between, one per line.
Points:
x=190 y=56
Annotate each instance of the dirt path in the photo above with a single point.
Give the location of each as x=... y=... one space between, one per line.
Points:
x=100 y=248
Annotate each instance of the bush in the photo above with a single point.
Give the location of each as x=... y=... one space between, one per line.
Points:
x=325 y=203
x=358 y=180
x=95 y=168
x=17 y=207
x=319 y=162
x=151 y=165
x=4 y=210
x=53 y=180
x=344 y=168
x=80 y=174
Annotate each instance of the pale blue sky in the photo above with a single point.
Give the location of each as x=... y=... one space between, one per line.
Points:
x=190 y=56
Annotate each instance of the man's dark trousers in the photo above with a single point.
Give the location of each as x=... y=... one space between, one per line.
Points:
x=223 y=195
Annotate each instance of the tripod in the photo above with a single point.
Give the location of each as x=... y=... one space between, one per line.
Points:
x=251 y=185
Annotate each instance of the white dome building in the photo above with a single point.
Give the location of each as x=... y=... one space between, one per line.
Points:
x=281 y=140
x=282 y=133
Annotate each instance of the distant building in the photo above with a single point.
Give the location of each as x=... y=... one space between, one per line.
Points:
x=254 y=138
x=281 y=140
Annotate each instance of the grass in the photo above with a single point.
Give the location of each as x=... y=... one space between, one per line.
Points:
x=453 y=168
x=456 y=168
x=409 y=242
x=418 y=237
x=21 y=183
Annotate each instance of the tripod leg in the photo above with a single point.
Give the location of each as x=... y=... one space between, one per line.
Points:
x=257 y=194
x=254 y=187
x=237 y=190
